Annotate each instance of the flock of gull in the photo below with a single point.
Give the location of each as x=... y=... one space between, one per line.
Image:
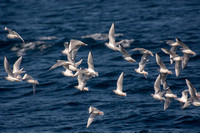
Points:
x=72 y=69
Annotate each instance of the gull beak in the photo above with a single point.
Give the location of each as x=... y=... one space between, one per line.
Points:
x=84 y=44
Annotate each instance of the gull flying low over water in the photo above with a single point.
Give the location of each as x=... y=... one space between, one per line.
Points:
x=158 y=95
x=169 y=95
x=90 y=70
x=82 y=80
x=173 y=49
x=30 y=80
x=119 y=91
x=187 y=52
x=175 y=58
x=163 y=69
x=143 y=61
x=126 y=55
x=193 y=93
x=13 y=35
x=15 y=74
x=93 y=113
x=111 y=36
x=184 y=101
x=74 y=47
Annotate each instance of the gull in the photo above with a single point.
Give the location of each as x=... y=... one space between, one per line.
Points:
x=173 y=48
x=175 y=58
x=126 y=55
x=82 y=80
x=118 y=91
x=111 y=35
x=187 y=52
x=74 y=47
x=163 y=70
x=169 y=95
x=90 y=70
x=158 y=95
x=193 y=93
x=15 y=74
x=143 y=61
x=13 y=35
x=30 y=80
x=184 y=101
x=93 y=113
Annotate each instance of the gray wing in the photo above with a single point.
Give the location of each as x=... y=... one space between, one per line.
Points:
x=60 y=63
x=165 y=86
x=185 y=94
x=157 y=85
x=178 y=67
x=15 y=33
x=123 y=51
x=90 y=61
x=173 y=49
x=167 y=103
x=74 y=45
x=111 y=34
x=185 y=60
x=143 y=61
x=90 y=119
x=7 y=67
x=163 y=77
x=169 y=52
x=192 y=90
x=78 y=63
x=27 y=76
x=170 y=42
x=160 y=62
x=120 y=82
x=17 y=64
x=181 y=43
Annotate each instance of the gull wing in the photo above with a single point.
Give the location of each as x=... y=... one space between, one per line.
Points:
x=15 y=33
x=66 y=44
x=170 y=42
x=78 y=63
x=90 y=119
x=143 y=61
x=111 y=34
x=163 y=77
x=60 y=63
x=27 y=76
x=169 y=52
x=165 y=86
x=123 y=51
x=16 y=65
x=120 y=82
x=90 y=61
x=192 y=90
x=7 y=67
x=185 y=60
x=178 y=67
x=181 y=43
x=167 y=103
x=157 y=85
x=160 y=62
x=185 y=94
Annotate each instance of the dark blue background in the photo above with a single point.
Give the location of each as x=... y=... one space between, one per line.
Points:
x=57 y=106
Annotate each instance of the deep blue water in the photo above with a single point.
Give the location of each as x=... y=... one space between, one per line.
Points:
x=57 y=106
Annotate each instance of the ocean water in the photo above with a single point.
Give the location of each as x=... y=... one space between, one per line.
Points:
x=57 y=106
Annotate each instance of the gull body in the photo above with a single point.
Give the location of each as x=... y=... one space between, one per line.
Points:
x=111 y=36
